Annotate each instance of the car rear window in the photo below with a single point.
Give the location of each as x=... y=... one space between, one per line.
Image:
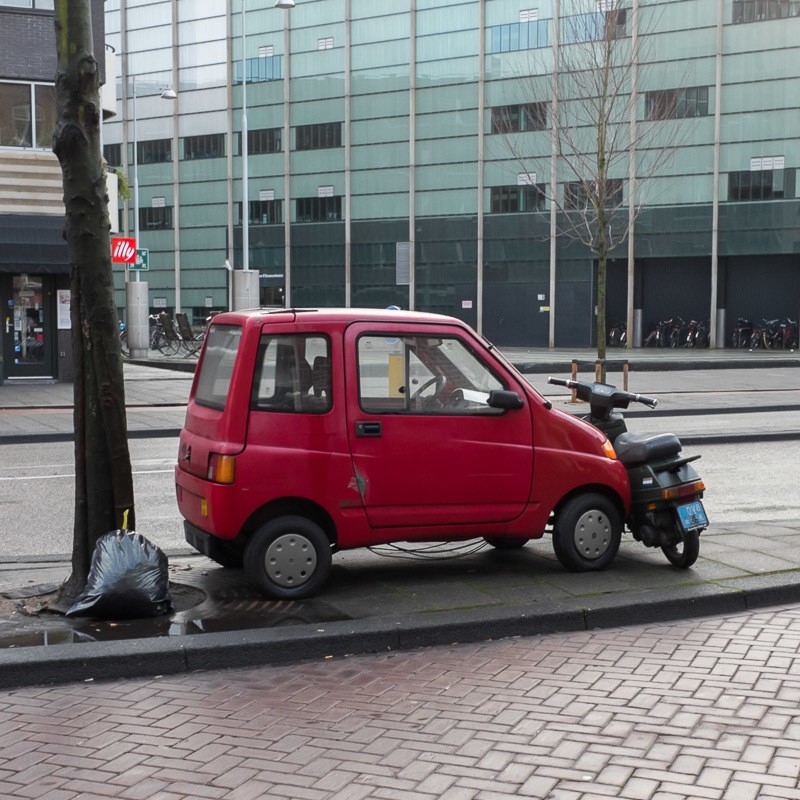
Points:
x=216 y=368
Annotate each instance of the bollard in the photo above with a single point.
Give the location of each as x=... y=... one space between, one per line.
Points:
x=574 y=398
x=625 y=375
x=598 y=370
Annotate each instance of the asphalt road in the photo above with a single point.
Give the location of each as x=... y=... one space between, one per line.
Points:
x=746 y=482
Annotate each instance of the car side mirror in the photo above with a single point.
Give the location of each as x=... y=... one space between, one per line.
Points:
x=505 y=399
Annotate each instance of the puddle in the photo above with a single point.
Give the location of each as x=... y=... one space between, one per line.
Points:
x=215 y=601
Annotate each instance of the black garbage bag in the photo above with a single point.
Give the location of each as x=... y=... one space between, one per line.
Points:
x=128 y=579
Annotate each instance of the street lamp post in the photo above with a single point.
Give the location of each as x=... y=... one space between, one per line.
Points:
x=243 y=283
x=286 y=5
x=137 y=301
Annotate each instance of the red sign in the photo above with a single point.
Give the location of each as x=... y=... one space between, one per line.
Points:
x=123 y=251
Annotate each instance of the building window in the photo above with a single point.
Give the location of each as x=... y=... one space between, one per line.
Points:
x=209 y=145
x=113 y=154
x=758 y=10
x=515 y=119
x=319 y=209
x=761 y=184
x=155 y=219
x=594 y=27
x=27 y=115
x=512 y=199
x=318 y=137
x=156 y=151
x=261 y=141
x=263 y=212
x=578 y=194
x=518 y=36
x=266 y=68
x=677 y=103
x=325 y=44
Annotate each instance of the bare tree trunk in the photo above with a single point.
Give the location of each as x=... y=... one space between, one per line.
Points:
x=103 y=477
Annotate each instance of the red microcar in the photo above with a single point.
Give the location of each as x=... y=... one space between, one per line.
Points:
x=315 y=430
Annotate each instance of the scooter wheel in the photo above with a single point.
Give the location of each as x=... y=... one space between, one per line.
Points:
x=587 y=533
x=288 y=558
x=684 y=553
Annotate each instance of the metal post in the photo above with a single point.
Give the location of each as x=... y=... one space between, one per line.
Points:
x=135 y=176
x=245 y=173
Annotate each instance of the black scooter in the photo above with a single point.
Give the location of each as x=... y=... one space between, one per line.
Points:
x=666 y=508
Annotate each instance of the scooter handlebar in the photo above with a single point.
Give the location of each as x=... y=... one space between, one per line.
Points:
x=652 y=402
x=648 y=401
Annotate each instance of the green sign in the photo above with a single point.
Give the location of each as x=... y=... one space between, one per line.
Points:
x=142 y=260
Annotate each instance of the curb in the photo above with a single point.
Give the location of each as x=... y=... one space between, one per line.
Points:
x=273 y=646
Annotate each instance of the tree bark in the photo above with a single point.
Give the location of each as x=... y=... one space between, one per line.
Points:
x=103 y=476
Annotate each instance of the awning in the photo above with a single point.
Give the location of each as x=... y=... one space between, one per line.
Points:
x=33 y=244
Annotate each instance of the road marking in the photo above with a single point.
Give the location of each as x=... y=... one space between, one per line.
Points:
x=72 y=475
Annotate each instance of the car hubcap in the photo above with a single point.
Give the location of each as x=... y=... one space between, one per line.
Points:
x=290 y=560
x=592 y=534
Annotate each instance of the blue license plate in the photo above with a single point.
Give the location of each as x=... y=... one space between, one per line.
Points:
x=692 y=516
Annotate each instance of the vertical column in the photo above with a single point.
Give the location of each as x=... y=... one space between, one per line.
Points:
x=176 y=202
x=717 y=323
x=287 y=166
x=551 y=336
x=348 y=262
x=481 y=157
x=629 y=314
x=412 y=155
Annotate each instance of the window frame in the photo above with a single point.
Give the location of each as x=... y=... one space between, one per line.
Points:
x=203 y=145
x=318 y=136
x=431 y=362
x=294 y=397
x=578 y=201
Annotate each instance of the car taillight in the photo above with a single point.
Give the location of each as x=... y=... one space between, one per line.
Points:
x=221 y=469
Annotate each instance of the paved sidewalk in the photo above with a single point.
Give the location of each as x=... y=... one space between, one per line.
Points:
x=374 y=604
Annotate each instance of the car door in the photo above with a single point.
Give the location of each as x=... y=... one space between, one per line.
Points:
x=427 y=449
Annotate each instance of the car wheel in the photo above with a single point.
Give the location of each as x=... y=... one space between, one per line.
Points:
x=505 y=542
x=587 y=532
x=288 y=558
x=684 y=553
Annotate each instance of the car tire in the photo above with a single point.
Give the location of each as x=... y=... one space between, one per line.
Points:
x=288 y=558
x=587 y=532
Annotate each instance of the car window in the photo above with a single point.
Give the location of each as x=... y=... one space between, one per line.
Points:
x=423 y=375
x=293 y=374
x=216 y=368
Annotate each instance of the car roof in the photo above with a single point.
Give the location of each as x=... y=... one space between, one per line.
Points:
x=337 y=316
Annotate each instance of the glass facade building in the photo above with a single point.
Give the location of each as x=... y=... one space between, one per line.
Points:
x=414 y=153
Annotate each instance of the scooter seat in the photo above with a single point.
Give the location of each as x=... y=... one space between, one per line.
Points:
x=637 y=449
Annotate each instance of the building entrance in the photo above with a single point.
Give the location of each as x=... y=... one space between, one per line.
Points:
x=28 y=329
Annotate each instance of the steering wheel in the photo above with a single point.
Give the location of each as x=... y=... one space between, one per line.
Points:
x=436 y=379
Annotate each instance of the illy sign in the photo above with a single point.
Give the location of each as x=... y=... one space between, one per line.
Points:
x=123 y=251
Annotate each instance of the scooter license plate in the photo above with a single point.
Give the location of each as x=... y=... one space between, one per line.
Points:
x=692 y=516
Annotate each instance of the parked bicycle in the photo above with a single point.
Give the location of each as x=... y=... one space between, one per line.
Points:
x=618 y=335
x=696 y=334
x=742 y=331
x=659 y=335
x=123 y=340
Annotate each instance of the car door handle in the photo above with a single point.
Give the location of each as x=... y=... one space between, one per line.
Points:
x=368 y=429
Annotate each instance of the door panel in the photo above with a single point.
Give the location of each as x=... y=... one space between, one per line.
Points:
x=28 y=326
x=426 y=449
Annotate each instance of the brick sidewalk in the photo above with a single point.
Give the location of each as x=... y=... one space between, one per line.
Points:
x=697 y=709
